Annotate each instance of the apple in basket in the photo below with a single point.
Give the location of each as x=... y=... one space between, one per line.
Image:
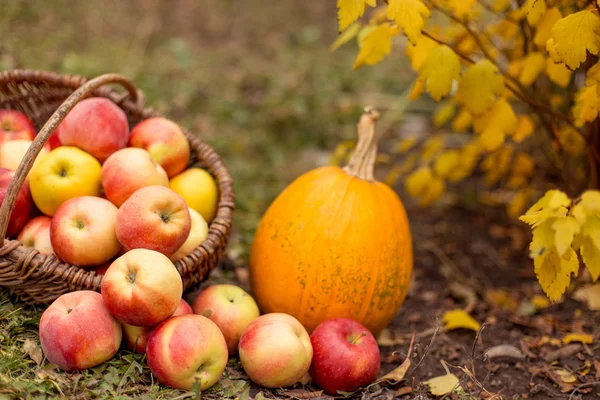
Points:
x=198 y=234
x=12 y=153
x=77 y=331
x=15 y=125
x=95 y=125
x=36 y=234
x=165 y=141
x=22 y=206
x=136 y=337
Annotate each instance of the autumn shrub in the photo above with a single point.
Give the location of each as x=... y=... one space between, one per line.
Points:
x=512 y=78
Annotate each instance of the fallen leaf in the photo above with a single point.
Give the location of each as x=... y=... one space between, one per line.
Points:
x=389 y=338
x=563 y=352
x=454 y=319
x=578 y=337
x=302 y=394
x=444 y=384
x=564 y=375
x=589 y=294
x=259 y=396
x=404 y=390
x=597 y=368
x=462 y=292
x=504 y=351
x=397 y=374
x=34 y=351
x=587 y=366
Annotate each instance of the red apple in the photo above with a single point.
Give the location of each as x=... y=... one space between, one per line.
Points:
x=346 y=356
x=22 y=206
x=96 y=125
x=187 y=348
x=230 y=307
x=155 y=218
x=142 y=288
x=136 y=337
x=83 y=231
x=128 y=170
x=36 y=234
x=165 y=141
x=275 y=350
x=15 y=125
x=77 y=331
x=101 y=270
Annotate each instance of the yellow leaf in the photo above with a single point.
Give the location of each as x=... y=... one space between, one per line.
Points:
x=442 y=385
x=564 y=375
x=519 y=202
x=440 y=69
x=351 y=10
x=532 y=9
x=578 y=337
x=590 y=201
x=431 y=147
x=571 y=140
x=525 y=128
x=417 y=90
x=590 y=246
x=419 y=52
x=460 y=8
x=462 y=121
x=540 y=302
x=574 y=34
x=469 y=155
x=457 y=318
x=500 y=5
x=495 y=124
x=542 y=33
x=433 y=191
x=543 y=239
x=446 y=162
x=501 y=299
x=592 y=76
x=410 y=16
x=558 y=73
x=587 y=105
x=554 y=272
x=553 y=204
x=533 y=65
x=480 y=86
x=417 y=181
x=565 y=229
x=345 y=36
x=404 y=145
x=496 y=164
x=515 y=67
x=551 y=49
x=443 y=113
x=589 y=294
x=374 y=46
x=522 y=169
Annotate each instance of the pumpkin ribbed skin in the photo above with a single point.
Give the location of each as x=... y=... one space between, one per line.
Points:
x=333 y=245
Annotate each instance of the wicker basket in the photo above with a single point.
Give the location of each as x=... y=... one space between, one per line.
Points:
x=46 y=98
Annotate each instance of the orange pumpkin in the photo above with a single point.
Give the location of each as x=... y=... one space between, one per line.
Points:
x=335 y=243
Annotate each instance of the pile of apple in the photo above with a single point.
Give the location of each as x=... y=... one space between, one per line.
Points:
x=98 y=190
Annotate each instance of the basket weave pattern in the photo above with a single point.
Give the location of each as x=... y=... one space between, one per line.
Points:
x=46 y=98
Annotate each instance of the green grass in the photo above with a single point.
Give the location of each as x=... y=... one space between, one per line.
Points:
x=254 y=79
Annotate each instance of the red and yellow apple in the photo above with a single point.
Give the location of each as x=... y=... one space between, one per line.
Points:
x=77 y=331
x=199 y=190
x=22 y=206
x=13 y=151
x=142 y=288
x=101 y=270
x=275 y=350
x=83 y=231
x=345 y=356
x=15 y=125
x=136 y=337
x=198 y=234
x=155 y=218
x=36 y=234
x=165 y=141
x=128 y=170
x=97 y=126
x=187 y=348
x=66 y=172
x=230 y=307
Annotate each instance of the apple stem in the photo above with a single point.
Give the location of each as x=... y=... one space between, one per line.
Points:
x=356 y=339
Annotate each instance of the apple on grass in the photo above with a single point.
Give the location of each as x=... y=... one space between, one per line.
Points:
x=95 y=125
x=142 y=288
x=186 y=349
x=275 y=350
x=77 y=331
x=230 y=307
x=198 y=234
x=128 y=170
x=13 y=151
x=83 y=231
x=136 y=337
x=15 y=125
x=346 y=356
x=36 y=234
x=66 y=172
x=165 y=141
x=154 y=218
x=22 y=206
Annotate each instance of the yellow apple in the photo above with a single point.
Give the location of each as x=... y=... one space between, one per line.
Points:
x=66 y=172
x=197 y=235
x=199 y=190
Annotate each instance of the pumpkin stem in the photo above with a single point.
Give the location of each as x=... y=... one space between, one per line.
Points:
x=363 y=160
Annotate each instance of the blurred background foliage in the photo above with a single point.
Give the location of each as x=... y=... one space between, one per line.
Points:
x=255 y=79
